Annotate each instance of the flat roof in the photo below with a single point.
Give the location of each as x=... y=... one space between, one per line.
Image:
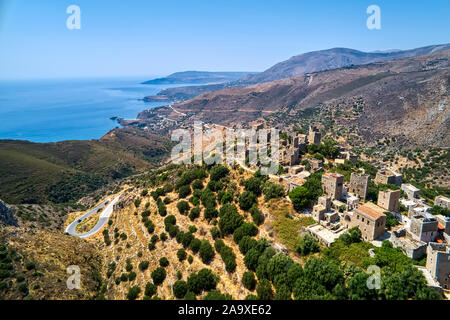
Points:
x=370 y=212
x=410 y=186
x=332 y=174
x=322 y=232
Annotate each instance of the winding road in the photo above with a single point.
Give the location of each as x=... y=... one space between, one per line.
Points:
x=102 y=220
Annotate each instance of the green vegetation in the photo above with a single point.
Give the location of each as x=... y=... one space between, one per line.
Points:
x=66 y=171
x=133 y=293
x=206 y=252
x=230 y=219
x=158 y=276
x=303 y=196
x=308 y=244
x=228 y=257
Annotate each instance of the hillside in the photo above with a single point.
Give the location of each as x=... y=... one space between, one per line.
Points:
x=223 y=233
x=334 y=59
x=309 y=62
x=405 y=99
x=65 y=171
x=34 y=265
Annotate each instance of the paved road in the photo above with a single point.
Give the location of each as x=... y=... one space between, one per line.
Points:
x=103 y=219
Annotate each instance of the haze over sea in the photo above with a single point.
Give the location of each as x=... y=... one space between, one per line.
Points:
x=76 y=109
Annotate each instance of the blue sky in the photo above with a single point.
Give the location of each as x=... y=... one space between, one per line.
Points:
x=146 y=38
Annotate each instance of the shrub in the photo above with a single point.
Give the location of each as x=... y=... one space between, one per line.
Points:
x=132 y=276
x=264 y=290
x=230 y=219
x=162 y=209
x=391 y=221
x=197 y=185
x=150 y=289
x=170 y=220
x=184 y=191
x=206 y=252
x=180 y=289
x=247 y=200
x=308 y=244
x=204 y=280
x=143 y=265
x=273 y=190
x=181 y=254
x=158 y=275
x=246 y=229
x=353 y=235
x=23 y=288
x=30 y=266
x=190 y=296
x=253 y=185
x=217 y=295
x=218 y=172
x=226 y=198
x=195 y=245
x=300 y=197
x=133 y=293
x=186 y=239
x=129 y=267
x=249 y=281
x=278 y=264
x=183 y=207
x=251 y=259
x=246 y=244
x=173 y=231
x=210 y=213
x=194 y=214
x=215 y=233
x=163 y=262
x=257 y=215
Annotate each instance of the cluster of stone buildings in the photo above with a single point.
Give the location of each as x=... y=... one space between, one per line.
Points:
x=342 y=207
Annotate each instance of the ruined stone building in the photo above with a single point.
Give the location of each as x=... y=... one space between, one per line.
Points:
x=411 y=191
x=314 y=135
x=442 y=201
x=424 y=228
x=332 y=184
x=387 y=176
x=412 y=248
x=389 y=200
x=438 y=263
x=323 y=206
x=359 y=185
x=315 y=164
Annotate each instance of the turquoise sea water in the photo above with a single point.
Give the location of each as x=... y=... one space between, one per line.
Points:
x=80 y=109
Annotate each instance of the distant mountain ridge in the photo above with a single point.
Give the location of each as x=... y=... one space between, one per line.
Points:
x=305 y=63
x=334 y=58
x=199 y=77
x=407 y=99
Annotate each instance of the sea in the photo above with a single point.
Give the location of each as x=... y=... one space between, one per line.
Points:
x=75 y=109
